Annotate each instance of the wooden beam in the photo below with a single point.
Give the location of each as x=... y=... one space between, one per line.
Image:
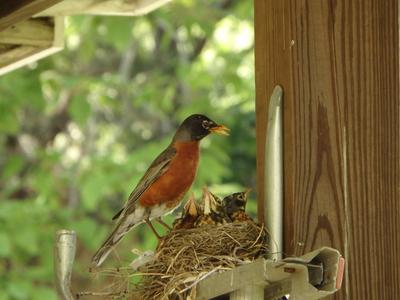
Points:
x=29 y=41
x=15 y=11
x=338 y=63
x=103 y=7
x=32 y=32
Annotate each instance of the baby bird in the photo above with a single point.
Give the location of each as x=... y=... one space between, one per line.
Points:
x=205 y=218
x=190 y=213
x=213 y=212
x=218 y=212
x=235 y=206
x=207 y=207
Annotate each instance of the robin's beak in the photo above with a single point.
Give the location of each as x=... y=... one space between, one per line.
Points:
x=220 y=129
x=247 y=191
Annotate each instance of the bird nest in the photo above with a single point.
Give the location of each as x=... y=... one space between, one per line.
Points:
x=213 y=236
x=185 y=257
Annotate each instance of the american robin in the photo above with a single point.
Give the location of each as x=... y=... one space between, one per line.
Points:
x=164 y=184
x=189 y=215
x=213 y=212
x=218 y=212
x=235 y=206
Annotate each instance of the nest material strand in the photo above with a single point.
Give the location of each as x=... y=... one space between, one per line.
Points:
x=184 y=257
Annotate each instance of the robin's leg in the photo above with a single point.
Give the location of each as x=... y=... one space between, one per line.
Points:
x=152 y=228
x=159 y=220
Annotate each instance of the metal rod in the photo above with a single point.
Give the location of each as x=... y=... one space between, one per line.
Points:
x=273 y=206
x=64 y=255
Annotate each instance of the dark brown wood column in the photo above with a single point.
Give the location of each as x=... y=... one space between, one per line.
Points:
x=338 y=63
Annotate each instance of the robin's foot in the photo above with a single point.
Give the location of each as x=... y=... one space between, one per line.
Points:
x=153 y=229
x=159 y=220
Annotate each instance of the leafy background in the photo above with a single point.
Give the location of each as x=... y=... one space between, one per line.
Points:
x=78 y=129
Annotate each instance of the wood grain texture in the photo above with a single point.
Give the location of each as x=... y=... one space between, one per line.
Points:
x=38 y=32
x=14 y=11
x=338 y=63
x=29 y=41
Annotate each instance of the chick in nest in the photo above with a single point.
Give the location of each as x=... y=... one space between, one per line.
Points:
x=213 y=211
x=235 y=206
x=189 y=215
x=218 y=211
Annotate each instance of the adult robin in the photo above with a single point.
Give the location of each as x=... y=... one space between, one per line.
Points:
x=164 y=184
x=235 y=206
x=190 y=213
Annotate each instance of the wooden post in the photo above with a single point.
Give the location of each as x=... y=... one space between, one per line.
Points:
x=338 y=64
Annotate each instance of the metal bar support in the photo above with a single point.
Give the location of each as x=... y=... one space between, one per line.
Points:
x=64 y=255
x=273 y=206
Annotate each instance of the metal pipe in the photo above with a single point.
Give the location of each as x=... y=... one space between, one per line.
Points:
x=273 y=206
x=64 y=255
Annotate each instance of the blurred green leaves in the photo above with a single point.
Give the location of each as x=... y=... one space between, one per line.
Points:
x=8 y=118
x=5 y=245
x=79 y=129
x=79 y=110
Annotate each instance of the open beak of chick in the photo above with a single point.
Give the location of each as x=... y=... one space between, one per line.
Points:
x=190 y=207
x=247 y=192
x=209 y=201
x=206 y=201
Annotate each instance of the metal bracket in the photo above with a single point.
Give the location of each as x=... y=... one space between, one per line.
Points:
x=64 y=255
x=273 y=205
x=311 y=276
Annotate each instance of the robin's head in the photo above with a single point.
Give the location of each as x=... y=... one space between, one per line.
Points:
x=196 y=127
x=235 y=202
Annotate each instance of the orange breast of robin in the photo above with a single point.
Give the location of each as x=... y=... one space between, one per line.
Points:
x=170 y=187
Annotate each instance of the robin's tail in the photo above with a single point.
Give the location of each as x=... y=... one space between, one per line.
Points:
x=116 y=235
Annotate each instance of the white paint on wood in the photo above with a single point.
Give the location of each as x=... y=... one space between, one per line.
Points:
x=15 y=14
x=270 y=279
x=251 y=292
x=32 y=32
x=229 y=281
x=103 y=7
x=22 y=55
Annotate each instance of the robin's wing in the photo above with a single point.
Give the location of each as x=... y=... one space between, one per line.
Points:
x=158 y=167
x=118 y=214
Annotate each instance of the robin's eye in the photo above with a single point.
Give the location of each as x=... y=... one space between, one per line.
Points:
x=240 y=197
x=206 y=124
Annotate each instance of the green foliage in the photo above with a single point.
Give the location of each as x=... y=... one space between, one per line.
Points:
x=78 y=129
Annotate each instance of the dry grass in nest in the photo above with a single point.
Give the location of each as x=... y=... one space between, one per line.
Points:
x=184 y=257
